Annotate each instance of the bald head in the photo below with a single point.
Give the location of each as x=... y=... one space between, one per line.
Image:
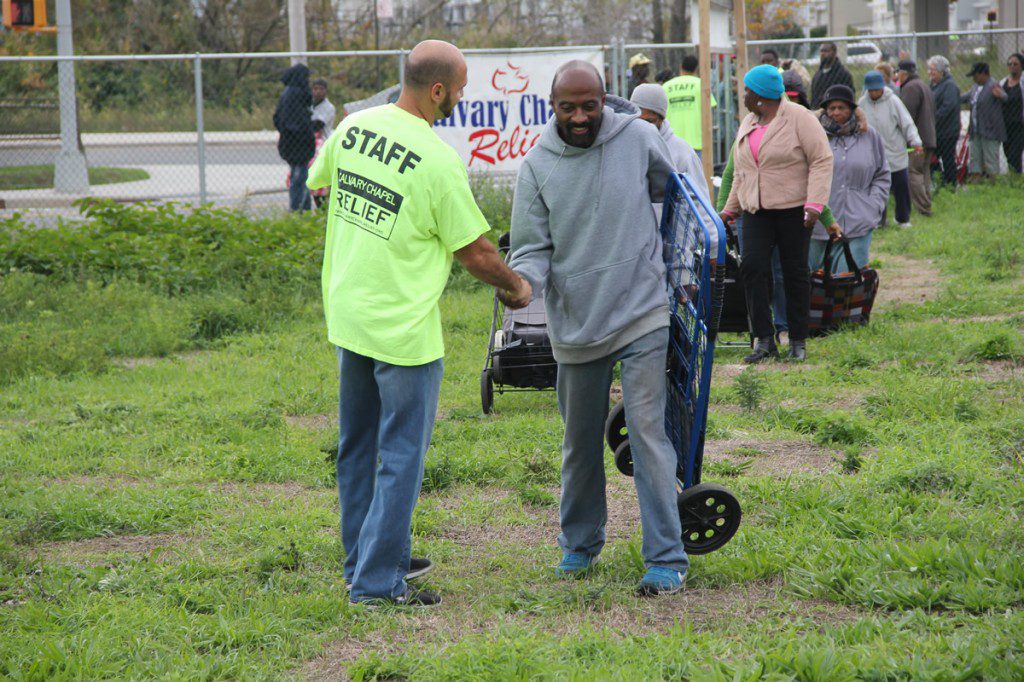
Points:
x=577 y=75
x=432 y=62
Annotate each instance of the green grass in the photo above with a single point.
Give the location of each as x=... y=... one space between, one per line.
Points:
x=41 y=177
x=168 y=505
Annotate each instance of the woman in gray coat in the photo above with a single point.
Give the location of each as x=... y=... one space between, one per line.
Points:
x=860 y=180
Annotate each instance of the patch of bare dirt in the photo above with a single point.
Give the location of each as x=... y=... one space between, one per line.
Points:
x=149 y=361
x=724 y=374
x=97 y=549
x=701 y=608
x=906 y=280
x=999 y=370
x=773 y=458
x=312 y=422
x=286 y=489
x=543 y=531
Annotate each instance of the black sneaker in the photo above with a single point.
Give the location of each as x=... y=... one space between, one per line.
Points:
x=798 y=351
x=418 y=567
x=412 y=597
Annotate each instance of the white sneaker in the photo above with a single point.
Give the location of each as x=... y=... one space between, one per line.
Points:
x=903 y=226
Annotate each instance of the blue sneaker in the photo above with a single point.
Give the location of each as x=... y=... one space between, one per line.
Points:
x=660 y=580
x=575 y=565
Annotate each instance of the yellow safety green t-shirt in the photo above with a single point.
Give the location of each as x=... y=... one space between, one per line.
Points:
x=684 y=109
x=400 y=204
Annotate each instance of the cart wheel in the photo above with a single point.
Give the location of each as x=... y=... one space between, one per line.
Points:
x=615 y=428
x=710 y=515
x=486 y=391
x=624 y=458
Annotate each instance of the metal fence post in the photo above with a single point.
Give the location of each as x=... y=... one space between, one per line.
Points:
x=613 y=87
x=200 y=133
x=401 y=67
x=623 y=67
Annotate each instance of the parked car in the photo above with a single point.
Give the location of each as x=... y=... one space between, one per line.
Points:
x=863 y=53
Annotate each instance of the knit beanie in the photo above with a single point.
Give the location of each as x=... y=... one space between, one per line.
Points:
x=765 y=81
x=651 y=96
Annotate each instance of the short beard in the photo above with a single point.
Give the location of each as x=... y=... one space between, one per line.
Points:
x=446 y=106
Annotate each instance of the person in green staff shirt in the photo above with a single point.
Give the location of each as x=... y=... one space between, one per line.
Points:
x=684 y=104
x=400 y=207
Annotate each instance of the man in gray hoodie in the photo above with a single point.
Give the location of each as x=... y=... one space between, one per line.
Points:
x=584 y=233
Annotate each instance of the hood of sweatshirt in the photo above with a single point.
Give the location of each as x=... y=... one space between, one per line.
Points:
x=617 y=114
x=296 y=76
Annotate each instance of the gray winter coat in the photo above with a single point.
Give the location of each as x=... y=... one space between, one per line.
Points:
x=917 y=97
x=583 y=232
x=986 y=111
x=860 y=183
x=891 y=119
x=947 y=109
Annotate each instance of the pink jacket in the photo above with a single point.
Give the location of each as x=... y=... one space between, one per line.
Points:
x=794 y=163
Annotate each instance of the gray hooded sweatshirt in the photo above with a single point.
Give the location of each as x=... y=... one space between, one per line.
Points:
x=584 y=233
x=889 y=116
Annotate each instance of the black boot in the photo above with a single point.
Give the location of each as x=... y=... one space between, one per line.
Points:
x=798 y=350
x=763 y=349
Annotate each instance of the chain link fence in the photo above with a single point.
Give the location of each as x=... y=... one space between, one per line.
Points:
x=200 y=128
x=858 y=54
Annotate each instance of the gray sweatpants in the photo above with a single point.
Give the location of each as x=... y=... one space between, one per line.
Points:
x=583 y=403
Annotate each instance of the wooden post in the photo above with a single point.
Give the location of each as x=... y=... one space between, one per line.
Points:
x=739 y=18
x=704 y=70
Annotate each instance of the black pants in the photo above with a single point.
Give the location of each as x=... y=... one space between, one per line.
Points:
x=946 y=151
x=761 y=232
x=1014 y=146
x=900 y=191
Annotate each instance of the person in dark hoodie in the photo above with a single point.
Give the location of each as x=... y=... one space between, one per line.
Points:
x=584 y=232
x=831 y=72
x=296 y=143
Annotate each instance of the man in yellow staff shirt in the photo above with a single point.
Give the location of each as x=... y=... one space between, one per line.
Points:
x=684 y=108
x=400 y=207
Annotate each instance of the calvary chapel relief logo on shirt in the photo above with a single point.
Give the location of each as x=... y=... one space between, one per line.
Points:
x=367 y=204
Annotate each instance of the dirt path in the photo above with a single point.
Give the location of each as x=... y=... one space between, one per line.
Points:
x=906 y=280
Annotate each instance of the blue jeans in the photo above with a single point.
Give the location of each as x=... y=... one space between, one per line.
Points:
x=859 y=247
x=298 y=195
x=583 y=403
x=386 y=417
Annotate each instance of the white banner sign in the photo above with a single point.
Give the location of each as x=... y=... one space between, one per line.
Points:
x=505 y=107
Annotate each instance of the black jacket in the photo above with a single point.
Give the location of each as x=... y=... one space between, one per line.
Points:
x=947 y=109
x=292 y=118
x=822 y=81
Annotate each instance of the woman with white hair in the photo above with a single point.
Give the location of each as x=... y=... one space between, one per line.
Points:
x=947 y=116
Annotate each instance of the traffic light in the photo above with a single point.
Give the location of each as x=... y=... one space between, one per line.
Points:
x=992 y=16
x=25 y=15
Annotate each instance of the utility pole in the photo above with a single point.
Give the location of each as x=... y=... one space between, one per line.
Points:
x=297 y=29
x=376 y=42
x=739 y=19
x=704 y=69
x=70 y=173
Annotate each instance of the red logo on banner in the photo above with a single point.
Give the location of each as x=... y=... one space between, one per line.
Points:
x=511 y=81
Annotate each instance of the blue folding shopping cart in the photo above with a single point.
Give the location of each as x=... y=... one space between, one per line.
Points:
x=695 y=257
